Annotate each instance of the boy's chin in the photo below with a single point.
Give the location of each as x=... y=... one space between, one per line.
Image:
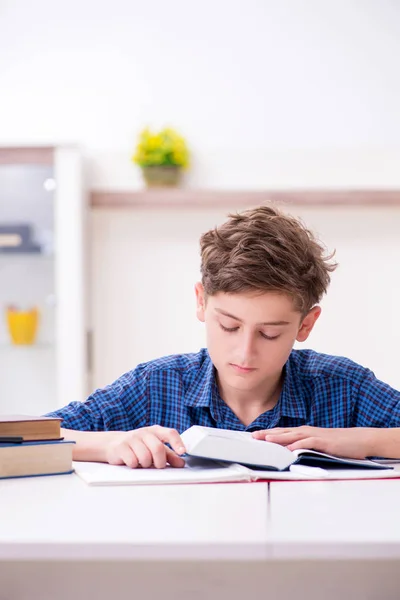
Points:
x=240 y=382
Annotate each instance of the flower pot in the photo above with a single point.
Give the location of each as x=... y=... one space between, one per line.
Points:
x=162 y=175
x=22 y=325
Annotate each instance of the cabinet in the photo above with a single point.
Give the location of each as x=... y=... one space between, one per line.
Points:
x=42 y=191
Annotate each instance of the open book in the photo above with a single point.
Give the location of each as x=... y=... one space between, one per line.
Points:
x=218 y=455
x=241 y=447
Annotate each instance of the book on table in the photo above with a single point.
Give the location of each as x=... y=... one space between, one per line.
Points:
x=30 y=428
x=52 y=457
x=218 y=455
x=241 y=447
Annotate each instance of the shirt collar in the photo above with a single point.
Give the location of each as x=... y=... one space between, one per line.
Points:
x=292 y=402
x=202 y=389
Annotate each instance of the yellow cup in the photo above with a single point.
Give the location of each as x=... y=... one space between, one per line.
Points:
x=22 y=325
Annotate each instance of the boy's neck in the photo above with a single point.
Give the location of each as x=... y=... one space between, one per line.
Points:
x=248 y=405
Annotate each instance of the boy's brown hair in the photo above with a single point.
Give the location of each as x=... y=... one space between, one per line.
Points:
x=264 y=249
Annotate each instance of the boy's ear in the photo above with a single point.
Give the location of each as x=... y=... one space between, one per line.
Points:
x=200 y=301
x=308 y=323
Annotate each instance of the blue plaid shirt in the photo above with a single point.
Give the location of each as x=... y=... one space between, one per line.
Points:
x=180 y=391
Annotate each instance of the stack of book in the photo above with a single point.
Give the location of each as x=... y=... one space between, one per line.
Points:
x=33 y=446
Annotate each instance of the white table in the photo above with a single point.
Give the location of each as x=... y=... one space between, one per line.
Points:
x=60 y=538
x=339 y=535
x=62 y=518
x=338 y=519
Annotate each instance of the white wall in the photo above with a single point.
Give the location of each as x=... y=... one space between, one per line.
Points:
x=145 y=266
x=295 y=93
x=244 y=80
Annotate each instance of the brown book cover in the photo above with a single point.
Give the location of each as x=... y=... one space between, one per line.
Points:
x=30 y=428
x=36 y=458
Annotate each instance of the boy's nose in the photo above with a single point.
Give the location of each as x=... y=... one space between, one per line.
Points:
x=247 y=350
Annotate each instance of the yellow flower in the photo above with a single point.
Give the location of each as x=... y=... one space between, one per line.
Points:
x=166 y=147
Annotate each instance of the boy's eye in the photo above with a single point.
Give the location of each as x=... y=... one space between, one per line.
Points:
x=229 y=329
x=263 y=335
x=268 y=337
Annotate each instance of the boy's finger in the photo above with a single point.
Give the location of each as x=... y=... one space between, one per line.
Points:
x=171 y=437
x=310 y=443
x=157 y=448
x=174 y=460
x=142 y=452
x=128 y=456
x=260 y=435
x=281 y=429
x=285 y=438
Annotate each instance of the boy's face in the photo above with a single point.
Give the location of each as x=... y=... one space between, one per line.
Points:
x=250 y=335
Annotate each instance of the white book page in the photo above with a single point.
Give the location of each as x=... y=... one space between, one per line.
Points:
x=195 y=471
x=351 y=461
x=306 y=473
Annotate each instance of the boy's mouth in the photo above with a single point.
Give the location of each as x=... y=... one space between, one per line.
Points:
x=243 y=370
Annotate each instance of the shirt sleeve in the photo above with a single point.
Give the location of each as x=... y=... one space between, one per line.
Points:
x=376 y=404
x=121 y=406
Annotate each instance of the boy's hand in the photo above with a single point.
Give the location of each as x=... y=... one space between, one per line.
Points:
x=145 y=447
x=351 y=442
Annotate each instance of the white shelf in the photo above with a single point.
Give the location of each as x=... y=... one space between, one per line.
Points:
x=25 y=256
x=43 y=376
x=39 y=346
x=187 y=198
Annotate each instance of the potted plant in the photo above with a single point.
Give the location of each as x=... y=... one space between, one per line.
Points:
x=162 y=156
x=22 y=324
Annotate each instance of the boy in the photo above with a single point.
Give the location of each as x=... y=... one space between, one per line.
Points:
x=263 y=274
